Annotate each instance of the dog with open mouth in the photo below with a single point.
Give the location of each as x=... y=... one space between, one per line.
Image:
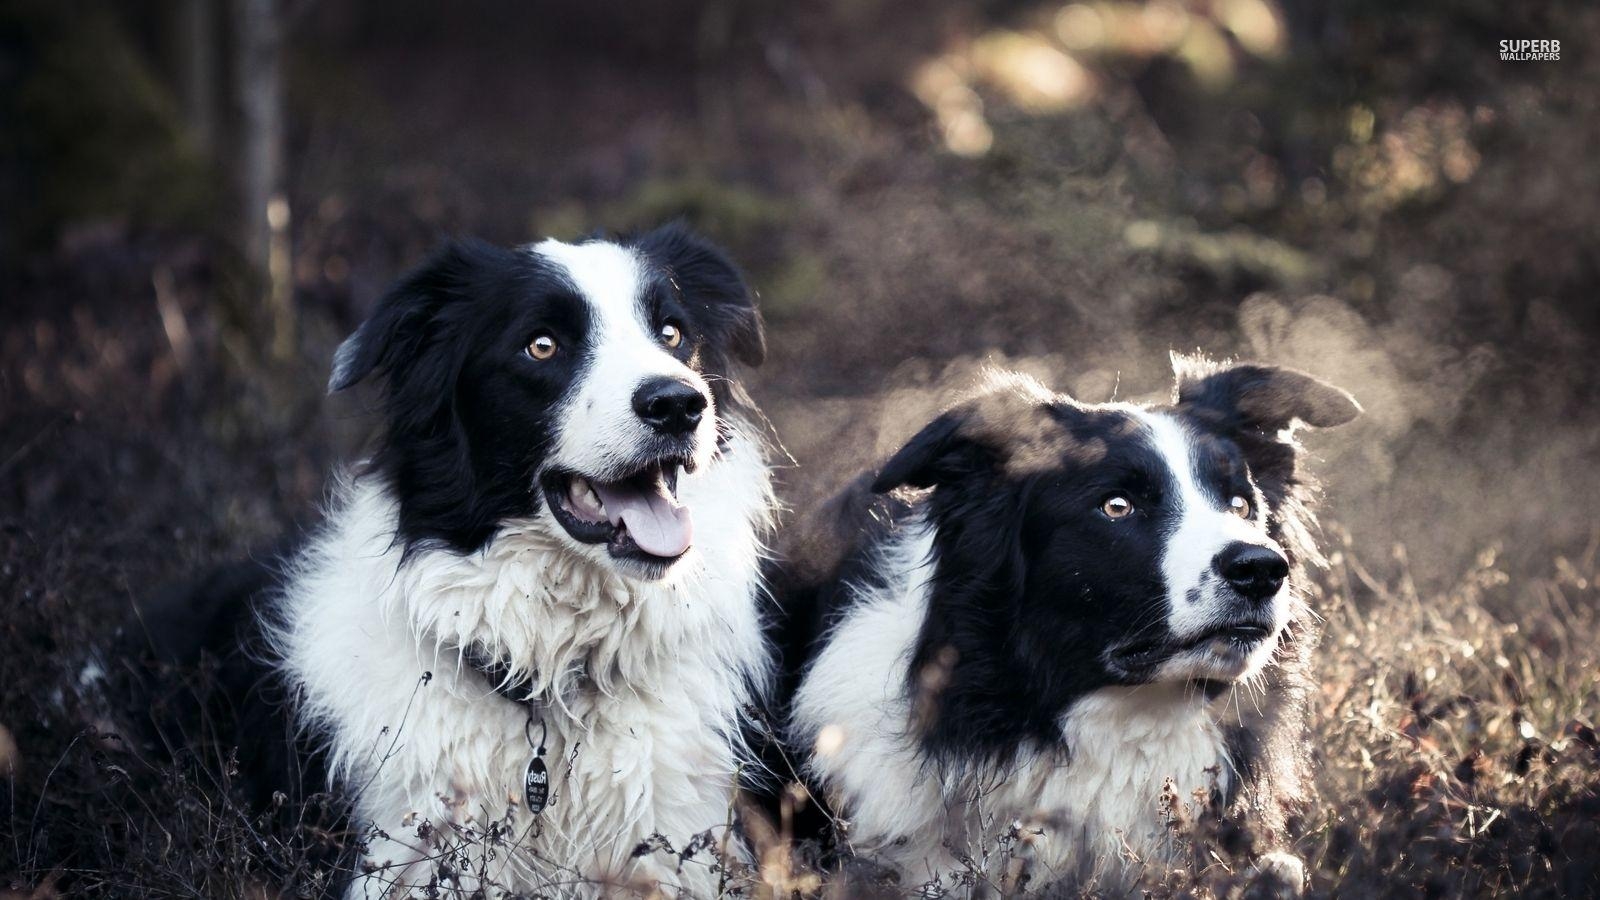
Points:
x=1047 y=631
x=526 y=634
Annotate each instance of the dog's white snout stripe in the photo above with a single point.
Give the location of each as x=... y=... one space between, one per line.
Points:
x=602 y=431
x=1204 y=530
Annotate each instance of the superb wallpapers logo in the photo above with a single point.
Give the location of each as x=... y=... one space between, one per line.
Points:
x=1530 y=51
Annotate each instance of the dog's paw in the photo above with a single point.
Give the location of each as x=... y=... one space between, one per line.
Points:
x=1278 y=875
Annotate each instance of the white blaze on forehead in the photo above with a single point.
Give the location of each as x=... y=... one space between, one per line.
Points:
x=609 y=276
x=598 y=433
x=1202 y=527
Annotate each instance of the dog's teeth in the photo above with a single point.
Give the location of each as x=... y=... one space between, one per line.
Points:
x=582 y=496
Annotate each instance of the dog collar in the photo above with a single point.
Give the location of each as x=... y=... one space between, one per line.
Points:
x=497 y=672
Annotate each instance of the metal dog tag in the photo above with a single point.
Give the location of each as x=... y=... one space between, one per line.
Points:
x=536 y=785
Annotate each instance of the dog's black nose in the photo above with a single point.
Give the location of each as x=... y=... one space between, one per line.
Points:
x=669 y=405
x=1254 y=571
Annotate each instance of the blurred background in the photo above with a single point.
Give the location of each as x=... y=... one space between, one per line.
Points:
x=200 y=198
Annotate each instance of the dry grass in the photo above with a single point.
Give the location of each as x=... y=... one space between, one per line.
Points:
x=1454 y=739
x=1455 y=746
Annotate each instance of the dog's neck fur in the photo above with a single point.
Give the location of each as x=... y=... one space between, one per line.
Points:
x=553 y=614
x=1079 y=800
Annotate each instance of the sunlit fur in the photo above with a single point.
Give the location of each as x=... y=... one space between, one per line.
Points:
x=638 y=683
x=962 y=706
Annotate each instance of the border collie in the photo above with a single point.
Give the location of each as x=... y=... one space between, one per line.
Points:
x=1092 y=622
x=527 y=633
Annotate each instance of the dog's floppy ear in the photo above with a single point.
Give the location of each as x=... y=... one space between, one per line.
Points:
x=1264 y=400
x=399 y=324
x=934 y=454
x=1011 y=422
x=712 y=287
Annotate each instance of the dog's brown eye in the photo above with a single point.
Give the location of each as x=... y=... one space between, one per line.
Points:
x=1116 y=506
x=670 y=334
x=542 y=347
x=1240 y=507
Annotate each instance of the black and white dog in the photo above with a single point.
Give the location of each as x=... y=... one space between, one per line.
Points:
x=1091 y=622
x=553 y=555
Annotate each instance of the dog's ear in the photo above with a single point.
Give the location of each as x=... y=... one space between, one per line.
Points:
x=400 y=323
x=1259 y=407
x=936 y=453
x=712 y=287
x=1012 y=424
x=1262 y=400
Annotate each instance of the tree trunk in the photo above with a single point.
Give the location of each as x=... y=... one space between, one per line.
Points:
x=199 y=73
x=264 y=233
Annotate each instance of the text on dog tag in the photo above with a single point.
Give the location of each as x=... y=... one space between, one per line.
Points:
x=536 y=785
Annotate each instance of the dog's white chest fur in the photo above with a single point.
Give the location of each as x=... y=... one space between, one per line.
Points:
x=1084 y=816
x=644 y=685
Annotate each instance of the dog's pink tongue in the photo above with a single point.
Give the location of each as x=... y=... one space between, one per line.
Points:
x=657 y=523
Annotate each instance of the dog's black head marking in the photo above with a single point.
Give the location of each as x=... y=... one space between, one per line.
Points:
x=473 y=418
